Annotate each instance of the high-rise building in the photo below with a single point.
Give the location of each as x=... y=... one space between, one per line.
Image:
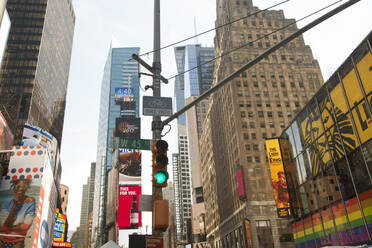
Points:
x=84 y=215
x=190 y=58
x=256 y=105
x=4 y=28
x=119 y=72
x=63 y=192
x=36 y=60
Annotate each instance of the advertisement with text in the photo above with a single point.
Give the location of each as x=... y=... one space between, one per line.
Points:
x=128 y=215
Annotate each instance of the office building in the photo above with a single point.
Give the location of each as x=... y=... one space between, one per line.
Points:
x=4 y=28
x=329 y=146
x=198 y=79
x=63 y=194
x=119 y=72
x=255 y=105
x=37 y=59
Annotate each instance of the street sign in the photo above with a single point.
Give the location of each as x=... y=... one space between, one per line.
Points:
x=157 y=106
x=154 y=242
x=145 y=203
x=138 y=144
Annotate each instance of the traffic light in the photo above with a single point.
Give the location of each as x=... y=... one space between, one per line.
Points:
x=160 y=162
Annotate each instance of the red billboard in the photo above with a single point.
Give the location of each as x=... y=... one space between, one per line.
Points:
x=240 y=182
x=128 y=215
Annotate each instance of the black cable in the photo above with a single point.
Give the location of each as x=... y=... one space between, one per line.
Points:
x=212 y=29
x=266 y=35
x=170 y=128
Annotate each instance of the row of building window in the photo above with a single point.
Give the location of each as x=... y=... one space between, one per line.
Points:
x=275 y=94
x=274 y=84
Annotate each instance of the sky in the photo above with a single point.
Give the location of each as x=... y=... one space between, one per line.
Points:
x=131 y=24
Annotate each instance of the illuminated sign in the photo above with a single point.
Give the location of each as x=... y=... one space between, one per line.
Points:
x=278 y=178
x=128 y=127
x=128 y=215
x=59 y=227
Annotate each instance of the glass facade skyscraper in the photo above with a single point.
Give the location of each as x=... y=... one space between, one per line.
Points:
x=192 y=83
x=36 y=63
x=120 y=71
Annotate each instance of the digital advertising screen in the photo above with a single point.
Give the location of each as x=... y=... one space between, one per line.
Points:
x=128 y=215
x=278 y=178
x=59 y=227
x=130 y=167
x=128 y=127
x=123 y=94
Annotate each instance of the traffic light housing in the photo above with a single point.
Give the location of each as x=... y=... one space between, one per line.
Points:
x=160 y=163
x=160 y=215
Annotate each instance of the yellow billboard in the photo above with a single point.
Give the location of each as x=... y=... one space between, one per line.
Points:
x=278 y=178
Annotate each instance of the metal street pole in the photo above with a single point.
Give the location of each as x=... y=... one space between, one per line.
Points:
x=156 y=65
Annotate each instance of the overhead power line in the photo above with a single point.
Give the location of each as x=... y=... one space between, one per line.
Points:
x=266 y=35
x=212 y=29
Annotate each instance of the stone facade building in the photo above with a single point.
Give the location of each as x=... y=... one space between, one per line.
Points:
x=257 y=105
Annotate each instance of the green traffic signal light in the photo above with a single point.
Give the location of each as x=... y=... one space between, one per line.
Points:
x=161 y=176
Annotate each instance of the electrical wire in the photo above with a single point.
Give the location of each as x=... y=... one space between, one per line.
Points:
x=266 y=35
x=212 y=29
x=170 y=128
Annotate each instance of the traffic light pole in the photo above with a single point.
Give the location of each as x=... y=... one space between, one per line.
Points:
x=157 y=126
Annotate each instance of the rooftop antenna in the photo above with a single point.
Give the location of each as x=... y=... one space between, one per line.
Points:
x=195 y=32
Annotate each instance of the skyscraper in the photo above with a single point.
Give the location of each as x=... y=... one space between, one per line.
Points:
x=241 y=115
x=119 y=72
x=191 y=84
x=36 y=63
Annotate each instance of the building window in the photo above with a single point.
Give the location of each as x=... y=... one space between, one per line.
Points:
x=280 y=114
x=255 y=147
x=245 y=83
x=269 y=114
x=257 y=159
x=251 y=125
x=262 y=124
x=249 y=104
x=242 y=114
x=274 y=84
x=259 y=104
x=244 y=125
x=257 y=93
x=271 y=125
x=240 y=93
x=238 y=84
x=285 y=93
x=278 y=104
x=254 y=136
x=282 y=84
x=249 y=159
x=247 y=147
x=266 y=93
x=268 y=104
x=255 y=84
x=246 y=136
x=260 y=114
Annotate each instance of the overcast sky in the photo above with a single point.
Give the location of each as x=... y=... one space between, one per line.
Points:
x=131 y=23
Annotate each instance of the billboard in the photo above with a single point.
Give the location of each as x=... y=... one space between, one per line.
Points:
x=130 y=167
x=278 y=178
x=240 y=182
x=123 y=94
x=59 y=227
x=35 y=136
x=46 y=209
x=19 y=195
x=128 y=215
x=6 y=136
x=128 y=127
x=61 y=244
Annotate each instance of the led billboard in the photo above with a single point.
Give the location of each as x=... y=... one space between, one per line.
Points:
x=22 y=187
x=240 y=182
x=6 y=136
x=123 y=94
x=278 y=178
x=130 y=167
x=59 y=227
x=128 y=127
x=128 y=215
